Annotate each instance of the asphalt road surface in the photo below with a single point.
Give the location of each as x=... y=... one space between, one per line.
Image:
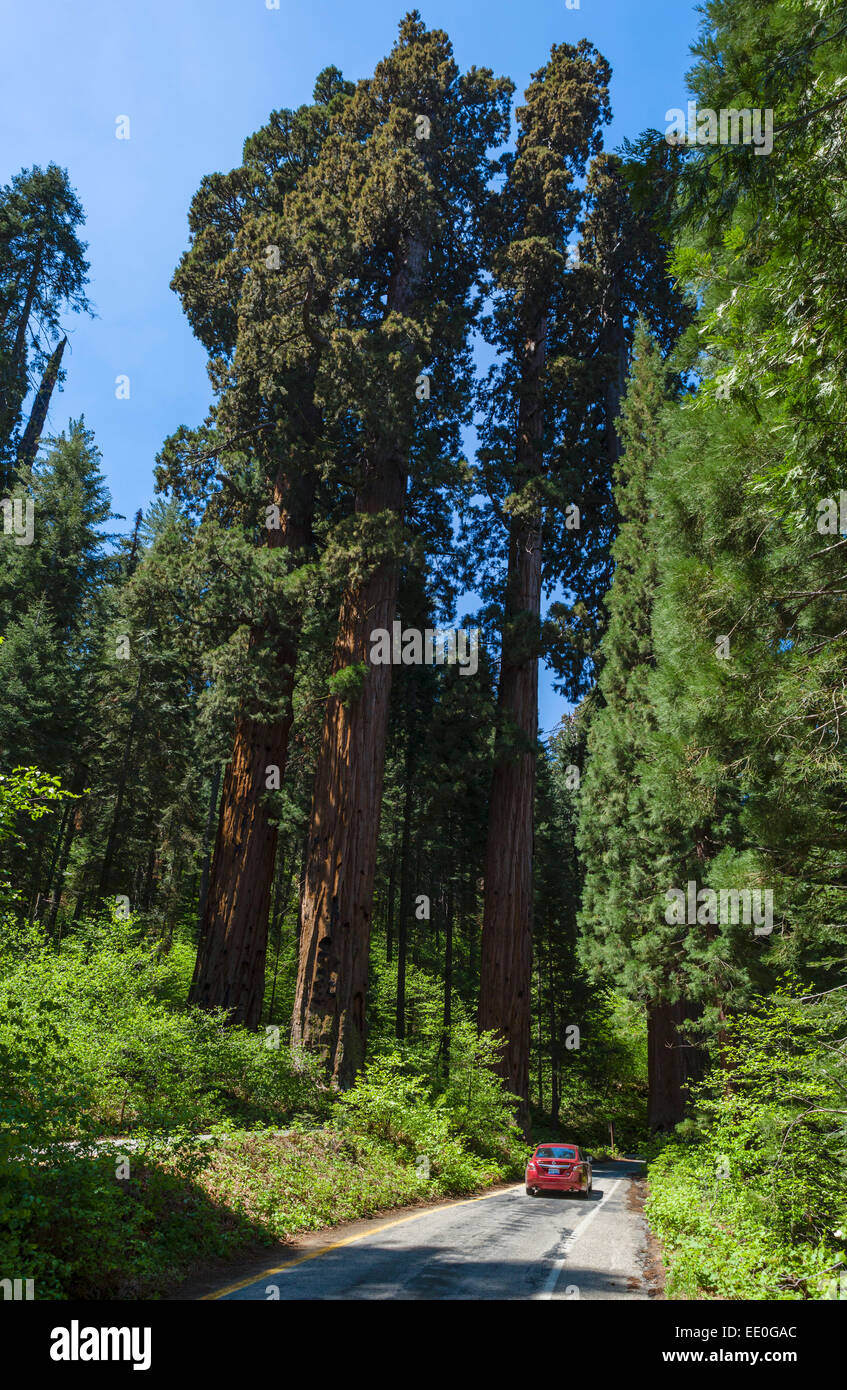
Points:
x=504 y=1245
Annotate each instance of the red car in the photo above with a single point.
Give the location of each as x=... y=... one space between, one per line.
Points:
x=558 y=1167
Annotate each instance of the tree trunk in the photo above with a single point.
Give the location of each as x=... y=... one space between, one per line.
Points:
x=123 y=778
x=671 y=1062
x=448 y=976
x=230 y=969
x=229 y=972
x=28 y=447
x=332 y=977
x=14 y=387
x=505 y=997
x=405 y=882
x=55 y=858
x=329 y=1012
x=19 y=348
x=207 y=848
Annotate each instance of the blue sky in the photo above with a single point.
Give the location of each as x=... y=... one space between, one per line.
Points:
x=197 y=76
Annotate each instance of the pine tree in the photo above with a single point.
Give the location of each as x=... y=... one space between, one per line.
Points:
x=623 y=835
x=53 y=593
x=748 y=621
x=42 y=271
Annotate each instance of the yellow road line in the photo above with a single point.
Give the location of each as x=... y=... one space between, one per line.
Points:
x=348 y=1240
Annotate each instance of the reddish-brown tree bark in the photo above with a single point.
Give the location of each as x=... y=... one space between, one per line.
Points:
x=672 y=1061
x=329 y=1009
x=230 y=968
x=506 y=967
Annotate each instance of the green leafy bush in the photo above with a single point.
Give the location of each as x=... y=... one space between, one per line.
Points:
x=446 y=1126
x=750 y=1199
x=144 y=1061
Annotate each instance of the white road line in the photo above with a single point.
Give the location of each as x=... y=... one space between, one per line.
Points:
x=553 y=1276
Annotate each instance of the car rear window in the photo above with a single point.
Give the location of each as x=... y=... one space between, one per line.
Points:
x=555 y=1151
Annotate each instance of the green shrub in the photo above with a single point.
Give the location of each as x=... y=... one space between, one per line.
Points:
x=446 y=1128
x=143 y=1061
x=751 y=1199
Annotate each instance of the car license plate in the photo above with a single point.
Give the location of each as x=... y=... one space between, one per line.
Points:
x=555 y=1171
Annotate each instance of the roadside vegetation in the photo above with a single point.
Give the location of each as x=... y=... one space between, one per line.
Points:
x=231 y=1139
x=748 y=1197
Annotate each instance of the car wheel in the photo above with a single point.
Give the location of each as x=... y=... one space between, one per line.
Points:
x=531 y=1192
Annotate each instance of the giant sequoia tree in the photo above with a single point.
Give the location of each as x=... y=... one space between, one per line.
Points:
x=620 y=273
x=395 y=207
x=550 y=446
x=559 y=128
x=246 y=287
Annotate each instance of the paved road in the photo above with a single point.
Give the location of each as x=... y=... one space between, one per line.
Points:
x=503 y=1245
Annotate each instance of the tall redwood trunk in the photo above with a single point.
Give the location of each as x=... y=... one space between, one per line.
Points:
x=329 y=1009
x=505 y=994
x=332 y=977
x=230 y=968
x=671 y=1062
